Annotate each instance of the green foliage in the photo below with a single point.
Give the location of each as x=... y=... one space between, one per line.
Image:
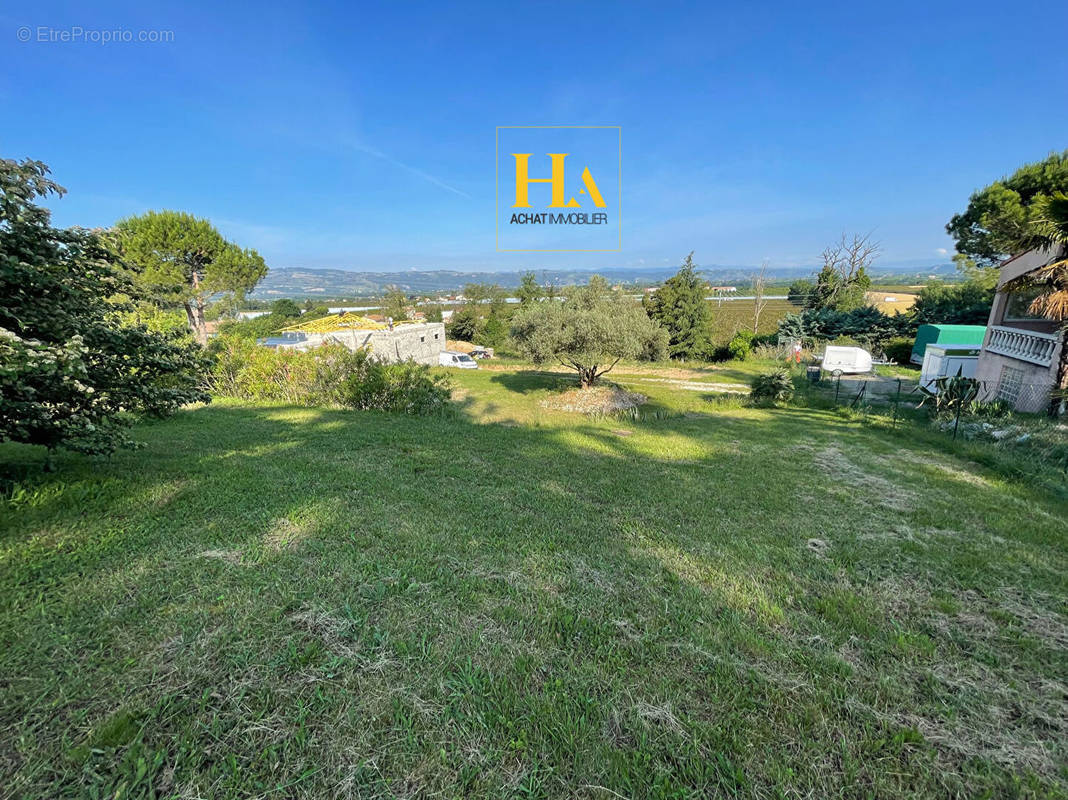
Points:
x=492 y=333
x=326 y=376
x=949 y=393
x=800 y=291
x=259 y=327
x=680 y=307
x=843 y=282
x=179 y=260
x=486 y=294
x=866 y=324
x=529 y=290
x=74 y=365
x=1006 y=217
x=772 y=387
x=965 y=303
x=899 y=349
x=285 y=308
x=740 y=345
x=465 y=324
x=990 y=409
x=589 y=332
x=395 y=304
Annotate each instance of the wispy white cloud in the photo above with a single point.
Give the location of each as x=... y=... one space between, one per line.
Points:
x=426 y=176
x=941 y=251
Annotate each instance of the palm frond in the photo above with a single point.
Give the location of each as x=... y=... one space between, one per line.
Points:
x=1051 y=305
x=1055 y=274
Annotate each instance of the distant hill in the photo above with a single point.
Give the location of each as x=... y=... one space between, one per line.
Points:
x=332 y=283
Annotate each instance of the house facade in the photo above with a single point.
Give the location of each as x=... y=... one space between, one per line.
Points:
x=1018 y=361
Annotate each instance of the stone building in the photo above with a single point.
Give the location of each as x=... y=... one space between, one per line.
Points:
x=419 y=341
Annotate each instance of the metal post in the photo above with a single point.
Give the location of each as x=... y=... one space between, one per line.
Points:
x=837 y=388
x=897 y=401
x=956 y=422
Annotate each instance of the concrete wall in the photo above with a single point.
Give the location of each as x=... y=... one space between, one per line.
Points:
x=1036 y=380
x=420 y=342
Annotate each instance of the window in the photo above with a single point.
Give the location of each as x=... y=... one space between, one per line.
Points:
x=422 y=339
x=1009 y=384
x=1017 y=304
x=435 y=336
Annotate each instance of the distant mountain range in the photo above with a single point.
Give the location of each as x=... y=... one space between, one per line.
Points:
x=340 y=283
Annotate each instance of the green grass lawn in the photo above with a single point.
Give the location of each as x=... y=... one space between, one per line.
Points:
x=704 y=599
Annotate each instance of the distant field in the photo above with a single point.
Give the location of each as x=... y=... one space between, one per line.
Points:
x=731 y=316
x=901 y=302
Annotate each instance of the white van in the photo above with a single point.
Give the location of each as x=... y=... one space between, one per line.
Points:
x=846 y=360
x=448 y=358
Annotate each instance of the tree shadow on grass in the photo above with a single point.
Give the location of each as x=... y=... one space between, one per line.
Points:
x=326 y=581
x=530 y=380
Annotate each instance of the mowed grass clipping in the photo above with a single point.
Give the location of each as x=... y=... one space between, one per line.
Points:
x=702 y=600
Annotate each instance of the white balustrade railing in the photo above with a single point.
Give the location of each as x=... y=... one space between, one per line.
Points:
x=1036 y=348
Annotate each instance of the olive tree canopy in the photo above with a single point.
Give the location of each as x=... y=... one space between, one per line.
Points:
x=590 y=332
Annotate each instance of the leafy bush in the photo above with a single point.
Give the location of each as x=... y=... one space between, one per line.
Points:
x=492 y=333
x=772 y=387
x=75 y=365
x=867 y=324
x=899 y=349
x=990 y=409
x=740 y=345
x=327 y=376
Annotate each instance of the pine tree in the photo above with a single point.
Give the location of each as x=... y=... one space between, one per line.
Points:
x=681 y=308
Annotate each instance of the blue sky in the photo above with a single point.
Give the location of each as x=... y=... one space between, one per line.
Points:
x=361 y=135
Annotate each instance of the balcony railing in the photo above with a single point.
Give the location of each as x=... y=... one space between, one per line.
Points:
x=1036 y=348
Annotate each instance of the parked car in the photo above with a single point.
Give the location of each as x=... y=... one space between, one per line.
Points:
x=846 y=360
x=448 y=358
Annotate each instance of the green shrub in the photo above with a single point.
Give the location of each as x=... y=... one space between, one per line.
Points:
x=772 y=387
x=326 y=376
x=899 y=349
x=990 y=409
x=740 y=345
x=950 y=393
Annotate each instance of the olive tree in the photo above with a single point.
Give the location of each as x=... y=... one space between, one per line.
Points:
x=182 y=260
x=589 y=332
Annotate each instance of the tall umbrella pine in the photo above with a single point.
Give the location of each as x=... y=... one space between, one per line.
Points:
x=180 y=260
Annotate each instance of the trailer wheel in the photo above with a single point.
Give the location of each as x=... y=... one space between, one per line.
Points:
x=837 y=373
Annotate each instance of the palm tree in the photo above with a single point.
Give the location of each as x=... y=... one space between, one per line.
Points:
x=1051 y=281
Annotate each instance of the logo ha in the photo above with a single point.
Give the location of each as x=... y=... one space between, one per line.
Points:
x=523 y=181
x=567 y=190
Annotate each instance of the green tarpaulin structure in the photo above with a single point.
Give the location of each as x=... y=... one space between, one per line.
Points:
x=946 y=335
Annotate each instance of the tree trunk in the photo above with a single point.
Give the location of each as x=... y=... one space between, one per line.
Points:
x=194 y=312
x=1059 y=395
x=587 y=377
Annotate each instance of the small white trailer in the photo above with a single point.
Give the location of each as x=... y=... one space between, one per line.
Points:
x=948 y=360
x=846 y=360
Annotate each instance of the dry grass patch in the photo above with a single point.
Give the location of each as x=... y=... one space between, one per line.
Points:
x=836 y=464
x=595 y=400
